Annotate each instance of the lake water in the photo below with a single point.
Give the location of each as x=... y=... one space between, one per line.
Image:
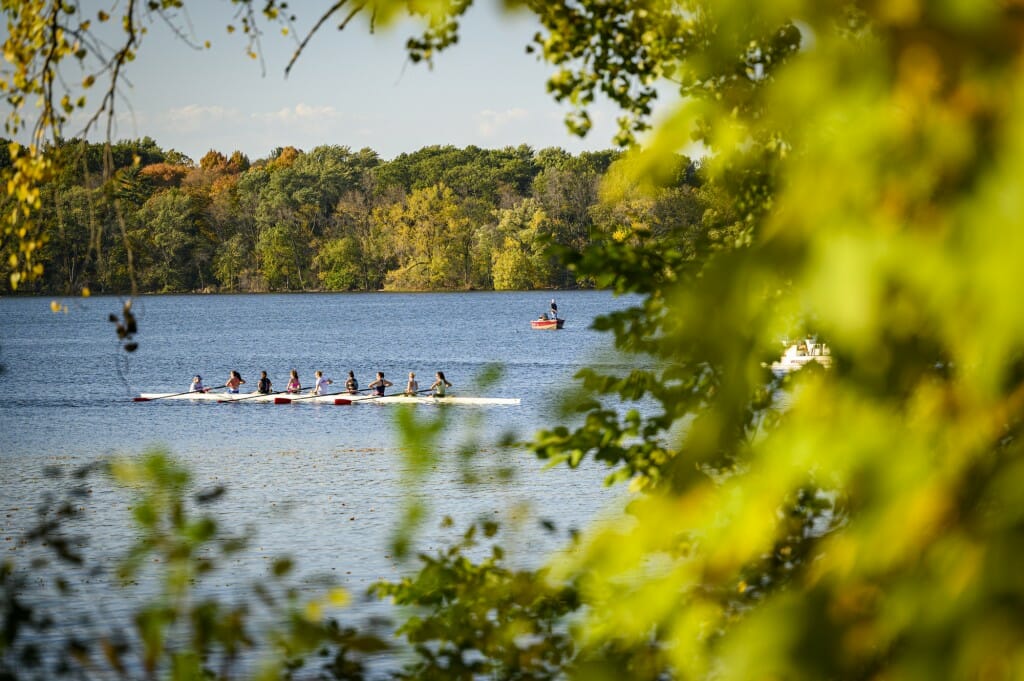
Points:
x=321 y=483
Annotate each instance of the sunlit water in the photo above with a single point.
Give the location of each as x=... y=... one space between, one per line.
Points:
x=321 y=483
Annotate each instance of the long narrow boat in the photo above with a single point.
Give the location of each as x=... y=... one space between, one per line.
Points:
x=333 y=398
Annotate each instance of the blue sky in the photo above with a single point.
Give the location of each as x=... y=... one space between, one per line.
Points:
x=349 y=88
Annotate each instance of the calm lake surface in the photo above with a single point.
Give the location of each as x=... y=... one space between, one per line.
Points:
x=320 y=483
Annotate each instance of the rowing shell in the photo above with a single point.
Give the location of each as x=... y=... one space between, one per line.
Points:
x=341 y=399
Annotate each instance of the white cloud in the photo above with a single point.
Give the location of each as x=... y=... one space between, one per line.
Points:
x=193 y=117
x=490 y=122
x=300 y=113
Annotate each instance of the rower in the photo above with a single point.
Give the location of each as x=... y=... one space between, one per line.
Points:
x=412 y=387
x=379 y=384
x=320 y=384
x=440 y=384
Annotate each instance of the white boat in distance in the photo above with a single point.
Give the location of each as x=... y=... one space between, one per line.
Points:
x=797 y=355
x=331 y=398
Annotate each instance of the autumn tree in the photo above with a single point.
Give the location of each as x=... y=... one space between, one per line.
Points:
x=432 y=240
x=521 y=261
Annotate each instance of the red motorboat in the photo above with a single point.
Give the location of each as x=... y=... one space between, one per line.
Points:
x=546 y=322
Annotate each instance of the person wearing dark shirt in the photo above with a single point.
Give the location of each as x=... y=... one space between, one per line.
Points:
x=379 y=384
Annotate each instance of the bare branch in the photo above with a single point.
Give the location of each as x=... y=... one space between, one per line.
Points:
x=323 y=19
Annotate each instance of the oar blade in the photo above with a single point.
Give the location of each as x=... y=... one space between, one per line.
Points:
x=341 y=401
x=282 y=400
x=140 y=399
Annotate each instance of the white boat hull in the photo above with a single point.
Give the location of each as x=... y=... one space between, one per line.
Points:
x=332 y=399
x=798 y=355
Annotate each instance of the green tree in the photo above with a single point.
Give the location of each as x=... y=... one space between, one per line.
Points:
x=521 y=260
x=338 y=264
x=281 y=260
x=169 y=222
x=433 y=241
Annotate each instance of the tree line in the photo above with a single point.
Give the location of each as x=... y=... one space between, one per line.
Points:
x=132 y=217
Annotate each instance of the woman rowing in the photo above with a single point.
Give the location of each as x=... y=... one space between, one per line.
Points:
x=352 y=385
x=379 y=384
x=412 y=387
x=320 y=384
x=234 y=381
x=293 y=383
x=264 y=385
x=440 y=384
x=197 y=385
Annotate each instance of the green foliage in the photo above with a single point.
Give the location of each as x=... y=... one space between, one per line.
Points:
x=183 y=632
x=521 y=260
x=468 y=619
x=330 y=218
x=433 y=241
x=841 y=524
x=338 y=264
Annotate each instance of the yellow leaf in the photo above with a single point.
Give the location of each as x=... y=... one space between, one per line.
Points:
x=338 y=597
x=314 y=613
x=54 y=306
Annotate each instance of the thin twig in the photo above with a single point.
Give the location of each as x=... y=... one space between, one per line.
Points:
x=323 y=19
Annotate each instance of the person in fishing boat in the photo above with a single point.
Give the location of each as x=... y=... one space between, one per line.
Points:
x=320 y=383
x=233 y=382
x=293 y=383
x=197 y=385
x=379 y=384
x=412 y=387
x=351 y=384
x=440 y=384
x=554 y=309
x=263 y=385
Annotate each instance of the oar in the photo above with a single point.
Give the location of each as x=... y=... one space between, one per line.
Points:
x=249 y=397
x=377 y=397
x=349 y=400
x=289 y=400
x=150 y=399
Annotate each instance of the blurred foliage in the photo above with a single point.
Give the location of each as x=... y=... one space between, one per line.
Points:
x=480 y=619
x=51 y=626
x=855 y=523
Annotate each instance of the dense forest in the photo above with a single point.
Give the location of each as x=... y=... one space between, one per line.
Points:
x=131 y=217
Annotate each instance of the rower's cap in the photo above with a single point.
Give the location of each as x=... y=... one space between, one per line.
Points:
x=199 y=377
